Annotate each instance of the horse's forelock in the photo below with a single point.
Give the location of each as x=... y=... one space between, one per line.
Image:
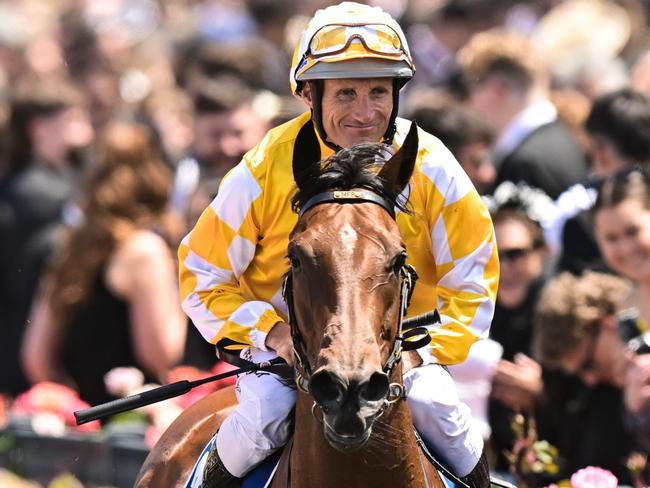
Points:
x=350 y=168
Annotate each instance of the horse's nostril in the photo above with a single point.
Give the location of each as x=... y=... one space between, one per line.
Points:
x=375 y=389
x=326 y=388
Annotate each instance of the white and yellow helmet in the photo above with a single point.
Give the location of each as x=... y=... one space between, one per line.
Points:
x=351 y=40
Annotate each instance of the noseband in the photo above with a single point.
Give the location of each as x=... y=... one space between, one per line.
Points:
x=408 y=277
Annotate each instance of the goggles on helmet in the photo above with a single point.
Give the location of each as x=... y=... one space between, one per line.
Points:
x=353 y=41
x=375 y=38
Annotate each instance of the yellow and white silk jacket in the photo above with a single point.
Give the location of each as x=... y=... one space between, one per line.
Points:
x=233 y=261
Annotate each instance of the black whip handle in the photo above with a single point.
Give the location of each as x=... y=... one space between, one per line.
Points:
x=161 y=393
x=134 y=401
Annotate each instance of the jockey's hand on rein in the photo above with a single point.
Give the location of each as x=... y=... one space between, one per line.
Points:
x=279 y=340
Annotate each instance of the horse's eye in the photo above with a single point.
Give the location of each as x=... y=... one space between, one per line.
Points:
x=295 y=262
x=399 y=262
x=386 y=332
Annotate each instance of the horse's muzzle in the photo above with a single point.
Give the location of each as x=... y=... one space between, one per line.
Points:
x=349 y=407
x=346 y=443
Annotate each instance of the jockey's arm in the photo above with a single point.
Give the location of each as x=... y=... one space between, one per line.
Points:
x=464 y=250
x=213 y=257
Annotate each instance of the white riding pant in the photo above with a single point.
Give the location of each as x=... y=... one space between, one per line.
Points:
x=260 y=423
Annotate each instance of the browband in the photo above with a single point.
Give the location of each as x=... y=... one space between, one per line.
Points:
x=348 y=196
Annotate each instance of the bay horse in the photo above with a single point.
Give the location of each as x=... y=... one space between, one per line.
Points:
x=346 y=291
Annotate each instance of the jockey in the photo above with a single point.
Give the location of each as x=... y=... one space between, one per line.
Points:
x=348 y=68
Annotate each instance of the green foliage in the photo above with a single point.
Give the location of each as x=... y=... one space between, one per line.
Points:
x=530 y=456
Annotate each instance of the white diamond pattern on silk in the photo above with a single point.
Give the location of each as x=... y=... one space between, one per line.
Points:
x=469 y=271
x=243 y=190
x=446 y=174
x=204 y=320
x=249 y=313
x=208 y=276
x=440 y=243
x=483 y=316
x=240 y=253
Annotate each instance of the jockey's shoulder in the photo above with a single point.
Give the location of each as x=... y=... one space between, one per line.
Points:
x=277 y=142
x=434 y=158
x=426 y=139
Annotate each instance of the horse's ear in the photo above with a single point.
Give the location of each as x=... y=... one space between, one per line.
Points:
x=398 y=169
x=306 y=153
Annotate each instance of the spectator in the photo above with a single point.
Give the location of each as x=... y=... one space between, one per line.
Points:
x=252 y=61
x=109 y=297
x=622 y=226
x=579 y=60
x=226 y=125
x=48 y=123
x=619 y=130
x=573 y=108
x=516 y=211
x=466 y=135
x=619 y=127
x=440 y=29
x=576 y=331
x=637 y=398
x=622 y=222
x=509 y=86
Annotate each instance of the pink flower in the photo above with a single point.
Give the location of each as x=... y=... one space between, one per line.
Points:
x=190 y=373
x=4 y=409
x=593 y=477
x=53 y=398
x=223 y=367
x=121 y=382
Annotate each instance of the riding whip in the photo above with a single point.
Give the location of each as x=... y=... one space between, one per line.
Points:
x=178 y=388
x=161 y=393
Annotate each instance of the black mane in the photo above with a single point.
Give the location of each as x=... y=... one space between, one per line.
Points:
x=351 y=168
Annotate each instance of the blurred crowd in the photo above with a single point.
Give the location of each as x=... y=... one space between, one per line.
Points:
x=119 y=118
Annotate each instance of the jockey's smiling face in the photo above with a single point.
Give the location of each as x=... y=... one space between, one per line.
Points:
x=355 y=110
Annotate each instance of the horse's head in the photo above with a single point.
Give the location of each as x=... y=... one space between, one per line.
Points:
x=347 y=265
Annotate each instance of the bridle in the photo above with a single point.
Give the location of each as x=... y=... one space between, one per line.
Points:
x=408 y=337
x=408 y=276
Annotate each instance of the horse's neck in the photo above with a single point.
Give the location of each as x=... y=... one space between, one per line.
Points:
x=390 y=458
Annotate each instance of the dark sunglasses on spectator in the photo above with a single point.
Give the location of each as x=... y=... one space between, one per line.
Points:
x=515 y=253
